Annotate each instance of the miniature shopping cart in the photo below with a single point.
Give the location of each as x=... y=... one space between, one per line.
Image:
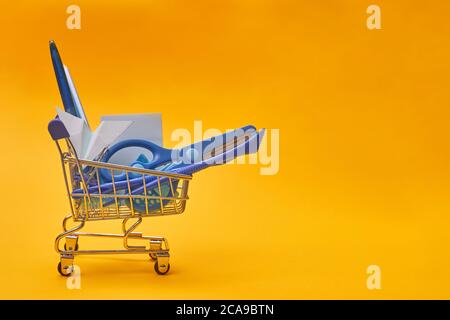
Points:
x=144 y=193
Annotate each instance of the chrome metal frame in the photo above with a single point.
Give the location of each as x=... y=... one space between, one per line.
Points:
x=88 y=206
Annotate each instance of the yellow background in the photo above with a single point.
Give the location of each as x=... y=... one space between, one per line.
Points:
x=364 y=155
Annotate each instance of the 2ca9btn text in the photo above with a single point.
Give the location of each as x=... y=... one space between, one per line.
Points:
x=231 y=309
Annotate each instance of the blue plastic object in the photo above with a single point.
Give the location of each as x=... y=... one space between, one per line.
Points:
x=169 y=158
x=57 y=130
x=63 y=84
x=151 y=182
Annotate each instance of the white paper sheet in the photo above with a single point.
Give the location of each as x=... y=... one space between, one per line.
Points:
x=75 y=97
x=146 y=126
x=88 y=144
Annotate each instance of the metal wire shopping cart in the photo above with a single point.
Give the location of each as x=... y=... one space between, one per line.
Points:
x=144 y=193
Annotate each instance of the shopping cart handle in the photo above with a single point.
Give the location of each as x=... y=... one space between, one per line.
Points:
x=57 y=130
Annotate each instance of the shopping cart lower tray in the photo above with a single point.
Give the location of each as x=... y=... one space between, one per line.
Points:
x=144 y=193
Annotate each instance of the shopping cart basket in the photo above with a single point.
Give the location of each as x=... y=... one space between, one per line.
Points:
x=144 y=193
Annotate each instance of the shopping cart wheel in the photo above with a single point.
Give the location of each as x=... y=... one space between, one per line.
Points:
x=65 y=247
x=152 y=256
x=62 y=272
x=159 y=270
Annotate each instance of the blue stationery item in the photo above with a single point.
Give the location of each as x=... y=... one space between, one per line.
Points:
x=189 y=169
x=170 y=158
x=251 y=145
x=63 y=84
